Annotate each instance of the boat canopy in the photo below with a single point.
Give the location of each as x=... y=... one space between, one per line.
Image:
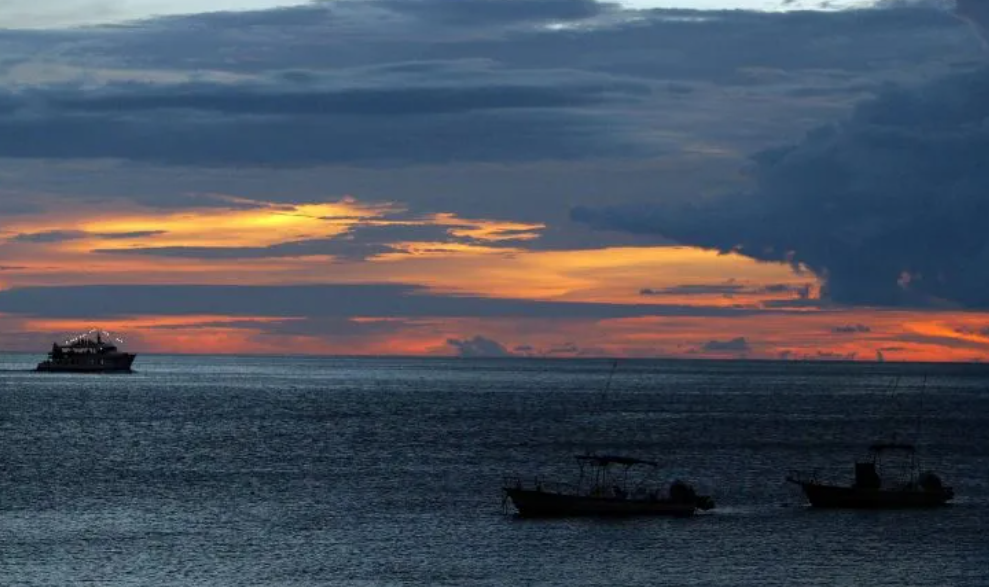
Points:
x=605 y=460
x=94 y=338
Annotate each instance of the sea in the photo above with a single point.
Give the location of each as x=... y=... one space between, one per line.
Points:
x=386 y=472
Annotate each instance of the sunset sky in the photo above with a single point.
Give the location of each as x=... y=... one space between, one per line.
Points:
x=559 y=178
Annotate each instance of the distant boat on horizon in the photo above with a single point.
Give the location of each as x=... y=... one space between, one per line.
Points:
x=86 y=354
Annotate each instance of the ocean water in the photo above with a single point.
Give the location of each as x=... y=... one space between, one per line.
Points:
x=223 y=471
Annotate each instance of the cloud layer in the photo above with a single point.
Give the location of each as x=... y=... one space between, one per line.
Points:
x=383 y=82
x=887 y=206
x=341 y=301
x=221 y=148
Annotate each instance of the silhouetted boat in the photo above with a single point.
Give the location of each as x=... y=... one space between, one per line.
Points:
x=601 y=493
x=85 y=354
x=873 y=488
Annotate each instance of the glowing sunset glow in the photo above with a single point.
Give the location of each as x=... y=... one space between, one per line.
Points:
x=508 y=270
x=488 y=230
x=788 y=321
x=265 y=226
x=893 y=336
x=616 y=275
x=641 y=276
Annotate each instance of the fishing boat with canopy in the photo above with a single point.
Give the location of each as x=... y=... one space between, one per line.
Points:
x=889 y=479
x=607 y=485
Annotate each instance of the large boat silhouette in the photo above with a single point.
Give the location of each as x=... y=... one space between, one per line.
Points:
x=87 y=353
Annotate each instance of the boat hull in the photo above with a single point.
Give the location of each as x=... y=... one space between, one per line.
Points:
x=532 y=503
x=120 y=363
x=836 y=496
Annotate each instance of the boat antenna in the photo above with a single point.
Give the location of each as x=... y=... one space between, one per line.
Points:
x=892 y=387
x=887 y=422
x=920 y=411
x=611 y=375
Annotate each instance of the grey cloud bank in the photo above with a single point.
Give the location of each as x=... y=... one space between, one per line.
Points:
x=359 y=243
x=415 y=82
x=889 y=206
x=218 y=125
x=318 y=301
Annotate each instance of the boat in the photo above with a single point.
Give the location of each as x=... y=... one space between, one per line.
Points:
x=606 y=486
x=87 y=354
x=875 y=487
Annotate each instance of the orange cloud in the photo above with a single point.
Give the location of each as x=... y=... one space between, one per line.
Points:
x=480 y=265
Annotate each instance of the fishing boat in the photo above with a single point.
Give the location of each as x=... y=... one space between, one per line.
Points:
x=88 y=353
x=607 y=486
x=876 y=486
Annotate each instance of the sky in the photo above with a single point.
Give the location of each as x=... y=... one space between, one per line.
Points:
x=545 y=178
x=46 y=14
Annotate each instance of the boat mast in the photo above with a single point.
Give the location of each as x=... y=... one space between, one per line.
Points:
x=611 y=375
x=920 y=411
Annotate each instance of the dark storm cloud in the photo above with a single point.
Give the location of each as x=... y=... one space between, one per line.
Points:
x=385 y=102
x=666 y=44
x=320 y=301
x=52 y=236
x=339 y=248
x=888 y=206
x=728 y=289
x=389 y=82
x=301 y=142
x=695 y=289
x=358 y=243
x=218 y=125
x=478 y=346
x=132 y=234
x=477 y=12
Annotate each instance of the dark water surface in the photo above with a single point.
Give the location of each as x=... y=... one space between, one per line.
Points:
x=225 y=471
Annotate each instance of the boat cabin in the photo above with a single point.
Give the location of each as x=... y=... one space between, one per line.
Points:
x=598 y=478
x=890 y=464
